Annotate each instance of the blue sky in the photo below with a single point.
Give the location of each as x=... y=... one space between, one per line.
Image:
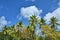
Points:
x=10 y=9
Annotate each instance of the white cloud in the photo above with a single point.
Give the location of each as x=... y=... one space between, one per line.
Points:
x=55 y=13
x=30 y=0
x=29 y=11
x=19 y=17
x=3 y=22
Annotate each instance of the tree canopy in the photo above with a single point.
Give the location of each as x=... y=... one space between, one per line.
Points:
x=21 y=32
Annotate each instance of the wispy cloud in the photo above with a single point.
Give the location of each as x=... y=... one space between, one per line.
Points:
x=30 y=0
x=58 y=4
x=1 y=7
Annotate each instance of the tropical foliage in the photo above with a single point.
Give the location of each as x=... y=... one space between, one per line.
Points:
x=21 y=32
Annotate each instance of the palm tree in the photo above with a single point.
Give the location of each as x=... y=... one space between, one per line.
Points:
x=20 y=24
x=29 y=28
x=19 y=27
x=41 y=22
x=33 y=23
x=54 y=22
x=27 y=33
